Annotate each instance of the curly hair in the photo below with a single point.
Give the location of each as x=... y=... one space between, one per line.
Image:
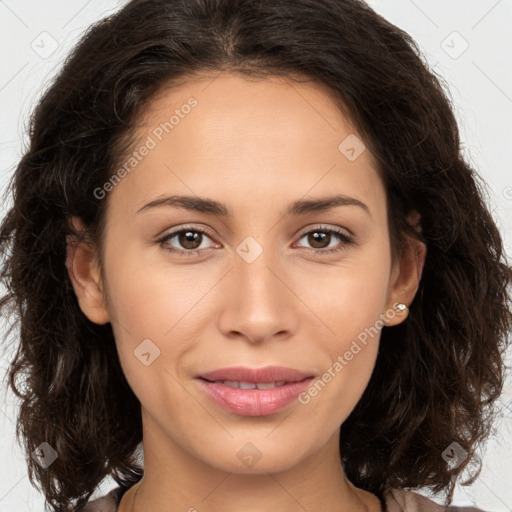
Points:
x=437 y=375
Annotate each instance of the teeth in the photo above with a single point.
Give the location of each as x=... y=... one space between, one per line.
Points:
x=266 y=385
x=251 y=385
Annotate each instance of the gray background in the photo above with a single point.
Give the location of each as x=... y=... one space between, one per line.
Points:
x=468 y=42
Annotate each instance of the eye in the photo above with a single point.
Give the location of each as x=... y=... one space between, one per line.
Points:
x=190 y=240
x=321 y=238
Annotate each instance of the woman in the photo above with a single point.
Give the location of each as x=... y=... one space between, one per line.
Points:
x=222 y=198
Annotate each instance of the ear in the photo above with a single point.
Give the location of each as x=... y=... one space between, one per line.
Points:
x=405 y=275
x=83 y=270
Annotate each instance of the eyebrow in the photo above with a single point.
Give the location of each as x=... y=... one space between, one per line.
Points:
x=212 y=207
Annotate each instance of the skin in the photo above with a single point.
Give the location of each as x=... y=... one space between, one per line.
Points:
x=256 y=146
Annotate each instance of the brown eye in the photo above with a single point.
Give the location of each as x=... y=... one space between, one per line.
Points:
x=320 y=239
x=187 y=241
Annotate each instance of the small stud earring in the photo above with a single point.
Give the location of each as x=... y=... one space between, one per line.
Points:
x=402 y=308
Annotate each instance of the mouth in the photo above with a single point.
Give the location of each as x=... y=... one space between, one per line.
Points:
x=256 y=397
x=250 y=385
x=269 y=376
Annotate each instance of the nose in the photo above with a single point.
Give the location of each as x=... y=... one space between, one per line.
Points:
x=259 y=303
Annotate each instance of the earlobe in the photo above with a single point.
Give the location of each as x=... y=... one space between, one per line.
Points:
x=83 y=271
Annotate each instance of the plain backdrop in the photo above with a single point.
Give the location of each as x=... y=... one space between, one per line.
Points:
x=467 y=42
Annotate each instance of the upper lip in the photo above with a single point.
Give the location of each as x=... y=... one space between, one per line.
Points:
x=265 y=374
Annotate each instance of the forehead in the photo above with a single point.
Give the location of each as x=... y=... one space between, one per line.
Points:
x=233 y=135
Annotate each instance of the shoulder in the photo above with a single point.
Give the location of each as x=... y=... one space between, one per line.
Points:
x=107 y=503
x=399 y=500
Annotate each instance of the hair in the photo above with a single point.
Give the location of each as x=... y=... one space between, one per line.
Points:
x=437 y=375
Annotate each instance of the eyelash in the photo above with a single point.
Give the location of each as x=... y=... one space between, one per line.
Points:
x=346 y=239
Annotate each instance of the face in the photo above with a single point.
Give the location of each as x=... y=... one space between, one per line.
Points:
x=190 y=289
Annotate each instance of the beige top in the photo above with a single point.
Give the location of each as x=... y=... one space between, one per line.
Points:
x=397 y=500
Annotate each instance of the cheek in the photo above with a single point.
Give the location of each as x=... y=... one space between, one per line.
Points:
x=149 y=347
x=352 y=355
x=146 y=298
x=351 y=305
x=351 y=296
x=154 y=309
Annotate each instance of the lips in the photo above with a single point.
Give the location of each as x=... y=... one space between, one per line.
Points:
x=254 y=391
x=269 y=374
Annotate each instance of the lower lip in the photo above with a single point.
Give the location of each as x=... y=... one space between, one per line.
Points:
x=254 y=402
